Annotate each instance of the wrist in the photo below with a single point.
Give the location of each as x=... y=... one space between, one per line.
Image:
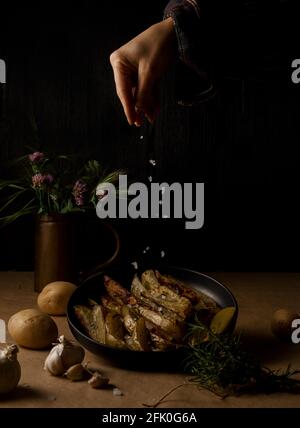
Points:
x=169 y=26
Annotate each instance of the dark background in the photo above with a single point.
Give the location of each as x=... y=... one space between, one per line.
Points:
x=243 y=143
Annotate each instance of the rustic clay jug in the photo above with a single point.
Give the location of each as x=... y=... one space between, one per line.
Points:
x=69 y=246
x=55 y=244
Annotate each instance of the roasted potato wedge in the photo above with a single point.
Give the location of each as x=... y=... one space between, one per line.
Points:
x=178 y=287
x=152 y=316
x=173 y=330
x=99 y=323
x=141 y=335
x=159 y=343
x=111 y=305
x=92 y=320
x=114 y=326
x=140 y=339
x=164 y=296
x=198 y=299
x=139 y=292
x=118 y=293
x=130 y=317
x=114 y=342
x=85 y=316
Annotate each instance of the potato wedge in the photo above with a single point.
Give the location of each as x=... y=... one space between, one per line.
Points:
x=140 y=339
x=197 y=298
x=84 y=315
x=118 y=293
x=141 y=335
x=160 y=344
x=111 y=305
x=178 y=287
x=99 y=324
x=114 y=326
x=139 y=291
x=173 y=330
x=130 y=317
x=164 y=296
x=92 y=319
x=114 y=342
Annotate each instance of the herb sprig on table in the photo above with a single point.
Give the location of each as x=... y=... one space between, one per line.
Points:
x=221 y=365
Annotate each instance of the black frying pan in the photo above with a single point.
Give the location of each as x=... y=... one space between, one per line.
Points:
x=93 y=288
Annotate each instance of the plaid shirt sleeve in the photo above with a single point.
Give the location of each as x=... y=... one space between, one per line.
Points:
x=193 y=83
x=186 y=16
x=216 y=35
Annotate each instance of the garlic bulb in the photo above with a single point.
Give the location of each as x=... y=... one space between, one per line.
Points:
x=10 y=370
x=62 y=356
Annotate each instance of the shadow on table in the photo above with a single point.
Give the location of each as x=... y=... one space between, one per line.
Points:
x=167 y=363
x=267 y=348
x=24 y=392
x=262 y=345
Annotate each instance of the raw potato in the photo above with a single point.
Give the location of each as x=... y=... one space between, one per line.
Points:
x=53 y=300
x=32 y=329
x=281 y=323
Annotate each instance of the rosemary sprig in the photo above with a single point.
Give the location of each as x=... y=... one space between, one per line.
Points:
x=221 y=365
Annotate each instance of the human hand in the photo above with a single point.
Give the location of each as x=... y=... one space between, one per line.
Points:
x=138 y=66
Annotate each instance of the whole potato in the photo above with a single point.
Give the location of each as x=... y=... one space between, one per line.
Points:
x=32 y=329
x=53 y=299
x=281 y=323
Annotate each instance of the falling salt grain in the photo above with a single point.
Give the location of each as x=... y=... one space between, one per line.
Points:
x=141 y=137
x=162 y=254
x=135 y=265
x=150 y=178
x=117 y=392
x=152 y=161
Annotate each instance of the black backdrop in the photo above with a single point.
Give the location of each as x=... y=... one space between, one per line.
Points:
x=243 y=144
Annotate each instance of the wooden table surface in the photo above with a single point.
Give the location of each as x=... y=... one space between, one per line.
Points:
x=258 y=295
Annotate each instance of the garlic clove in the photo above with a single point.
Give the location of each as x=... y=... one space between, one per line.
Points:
x=76 y=373
x=98 y=381
x=62 y=356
